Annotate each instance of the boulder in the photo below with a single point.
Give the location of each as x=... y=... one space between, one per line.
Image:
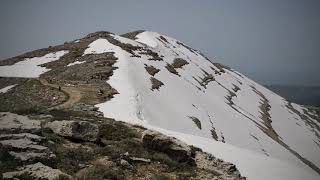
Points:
x=174 y=148
x=80 y=130
x=32 y=156
x=36 y=171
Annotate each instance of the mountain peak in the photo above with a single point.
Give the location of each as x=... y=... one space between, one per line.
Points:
x=155 y=81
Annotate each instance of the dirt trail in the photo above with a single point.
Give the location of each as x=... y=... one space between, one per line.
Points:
x=73 y=94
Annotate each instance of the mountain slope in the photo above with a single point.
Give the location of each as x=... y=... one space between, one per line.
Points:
x=160 y=83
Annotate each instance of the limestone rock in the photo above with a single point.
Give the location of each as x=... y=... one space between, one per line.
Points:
x=25 y=147
x=171 y=146
x=30 y=155
x=23 y=143
x=81 y=130
x=10 y=122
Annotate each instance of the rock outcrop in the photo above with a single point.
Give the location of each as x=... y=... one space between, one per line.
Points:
x=181 y=152
x=174 y=148
x=25 y=147
x=225 y=170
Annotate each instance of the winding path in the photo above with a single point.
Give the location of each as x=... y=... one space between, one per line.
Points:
x=73 y=94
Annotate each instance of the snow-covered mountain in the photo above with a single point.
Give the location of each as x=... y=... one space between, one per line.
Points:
x=165 y=85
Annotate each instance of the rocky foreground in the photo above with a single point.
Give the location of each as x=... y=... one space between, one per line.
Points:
x=70 y=145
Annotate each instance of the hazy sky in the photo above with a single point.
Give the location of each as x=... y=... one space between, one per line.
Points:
x=271 y=41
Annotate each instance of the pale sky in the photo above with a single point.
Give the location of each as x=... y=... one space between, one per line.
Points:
x=271 y=41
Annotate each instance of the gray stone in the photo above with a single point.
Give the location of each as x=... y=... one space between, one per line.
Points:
x=25 y=147
x=125 y=164
x=36 y=171
x=30 y=155
x=81 y=130
x=23 y=143
x=136 y=159
x=10 y=122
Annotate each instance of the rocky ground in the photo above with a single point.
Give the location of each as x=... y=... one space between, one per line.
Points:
x=67 y=145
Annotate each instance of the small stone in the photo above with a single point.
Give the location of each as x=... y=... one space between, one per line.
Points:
x=140 y=159
x=125 y=164
x=81 y=165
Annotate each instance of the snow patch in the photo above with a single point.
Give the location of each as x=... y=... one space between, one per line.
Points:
x=6 y=89
x=76 y=62
x=30 y=66
x=147 y=38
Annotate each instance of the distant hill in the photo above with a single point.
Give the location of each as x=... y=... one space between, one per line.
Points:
x=305 y=95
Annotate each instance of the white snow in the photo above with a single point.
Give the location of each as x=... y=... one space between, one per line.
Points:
x=76 y=62
x=126 y=40
x=7 y=88
x=30 y=66
x=100 y=46
x=127 y=99
x=169 y=108
x=251 y=164
x=147 y=38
